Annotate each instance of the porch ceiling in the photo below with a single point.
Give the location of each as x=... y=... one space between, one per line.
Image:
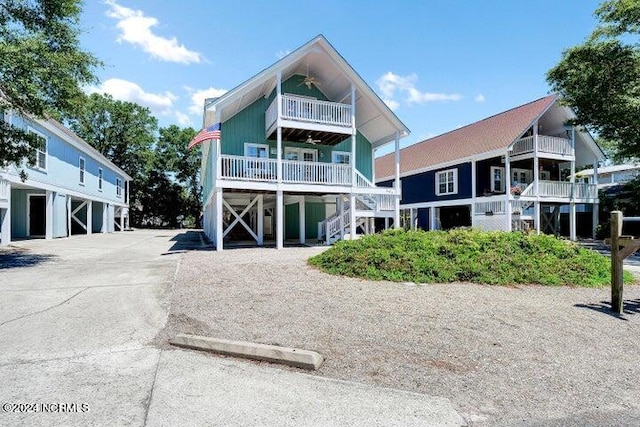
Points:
x=301 y=135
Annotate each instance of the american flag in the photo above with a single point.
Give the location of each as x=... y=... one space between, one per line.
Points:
x=211 y=132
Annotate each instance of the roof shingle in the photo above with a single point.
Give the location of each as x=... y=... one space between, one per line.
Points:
x=489 y=134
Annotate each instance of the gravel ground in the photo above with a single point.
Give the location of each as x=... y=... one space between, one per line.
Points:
x=525 y=355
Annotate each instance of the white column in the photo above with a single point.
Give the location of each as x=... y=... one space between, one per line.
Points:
x=433 y=218
x=386 y=223
x=352 y=216
x=536 y=179
x=279 y=131
x=5 y=226
x=507 y=180
x=411 y=219
x=89 y=216
x=279 y=219
x=48 y=233
x=340 y=209
x=538 y=218
x=128 y=187
x=396 y=211
x=68 y=215
x=572 y=221
x=219 y=223
x=596 y=206
x=353 y=136
x=260 y=219
x=121 y=218
x=302 y=219
x=105 y=217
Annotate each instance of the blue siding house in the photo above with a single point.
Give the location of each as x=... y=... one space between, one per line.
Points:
x=71 y=189
x=511 y=171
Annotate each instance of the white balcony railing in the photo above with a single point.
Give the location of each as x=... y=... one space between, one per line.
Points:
x=564 y=189
x=316 y=173
x=303 y=109
x=248 y=168
x=546 y=144
x=259 y=169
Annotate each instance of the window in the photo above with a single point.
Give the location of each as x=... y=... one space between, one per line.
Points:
x=100 y=179
x=447 y=182
x=81 y=167
x=341 y=157
x=118 y=187
x=256 y=150
x=41 y=151
x=304 y=154
x=497 y=179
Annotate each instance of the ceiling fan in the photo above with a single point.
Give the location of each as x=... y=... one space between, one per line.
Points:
x=309 y=80
x=311 y=141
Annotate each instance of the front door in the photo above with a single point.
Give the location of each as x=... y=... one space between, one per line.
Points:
x=37 y=216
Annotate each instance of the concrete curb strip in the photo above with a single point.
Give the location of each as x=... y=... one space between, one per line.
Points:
x=288 y=356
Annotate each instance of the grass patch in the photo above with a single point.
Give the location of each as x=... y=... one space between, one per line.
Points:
x=496 y=257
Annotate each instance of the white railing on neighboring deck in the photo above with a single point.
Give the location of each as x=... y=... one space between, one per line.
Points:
x=546 y=144
x=523 y=145
x=248 y=168
x=554 y=145
x=316 y=173
x=567 y=190
x=312 y=110
x=490 y=206
x=4 y=189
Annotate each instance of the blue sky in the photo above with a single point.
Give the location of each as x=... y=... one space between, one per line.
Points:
x=439 y=64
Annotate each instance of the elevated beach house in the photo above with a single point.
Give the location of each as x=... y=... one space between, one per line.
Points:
x=295 y=157
x=71 y=188
x=511 y=171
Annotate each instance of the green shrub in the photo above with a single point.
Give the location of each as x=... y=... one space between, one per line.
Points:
x=464 y=254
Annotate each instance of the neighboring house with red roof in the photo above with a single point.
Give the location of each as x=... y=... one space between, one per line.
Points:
x=514 y=170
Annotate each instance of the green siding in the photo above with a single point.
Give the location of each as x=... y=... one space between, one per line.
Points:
x=314 y=213
x=248 y=126
x=292 y=221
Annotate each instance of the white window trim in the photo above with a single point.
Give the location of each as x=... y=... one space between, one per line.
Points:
x=46 y=150
x=100 y=178
x=82 y=168
x=502 y=182
x=344 y=153
x=300 y=151
x=247 y=145
x=455 y=181
x=118 y=187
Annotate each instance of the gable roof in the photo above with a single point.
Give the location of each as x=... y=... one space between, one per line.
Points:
x=374 y=119
x=493 y=133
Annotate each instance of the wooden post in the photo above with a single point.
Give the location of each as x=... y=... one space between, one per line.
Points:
x=616 y=262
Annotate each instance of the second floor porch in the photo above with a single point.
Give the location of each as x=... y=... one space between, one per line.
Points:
x=314 y=173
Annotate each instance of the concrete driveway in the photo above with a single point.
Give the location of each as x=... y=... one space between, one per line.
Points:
x=78 y=319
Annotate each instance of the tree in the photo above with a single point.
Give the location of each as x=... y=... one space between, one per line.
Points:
x=172 y=196
x=124 y=132
x=42 y=67
x=600 y=78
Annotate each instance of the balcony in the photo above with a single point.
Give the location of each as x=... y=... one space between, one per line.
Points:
x=546 y=144
x=293 y=172
x=562 y=189
x=308 y=114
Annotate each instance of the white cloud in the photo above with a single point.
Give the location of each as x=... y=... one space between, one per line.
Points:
x=183 y=119
x=124 y=90
x=198 y=97
x=479 y=98
x=391 y=84
x=135 y=28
